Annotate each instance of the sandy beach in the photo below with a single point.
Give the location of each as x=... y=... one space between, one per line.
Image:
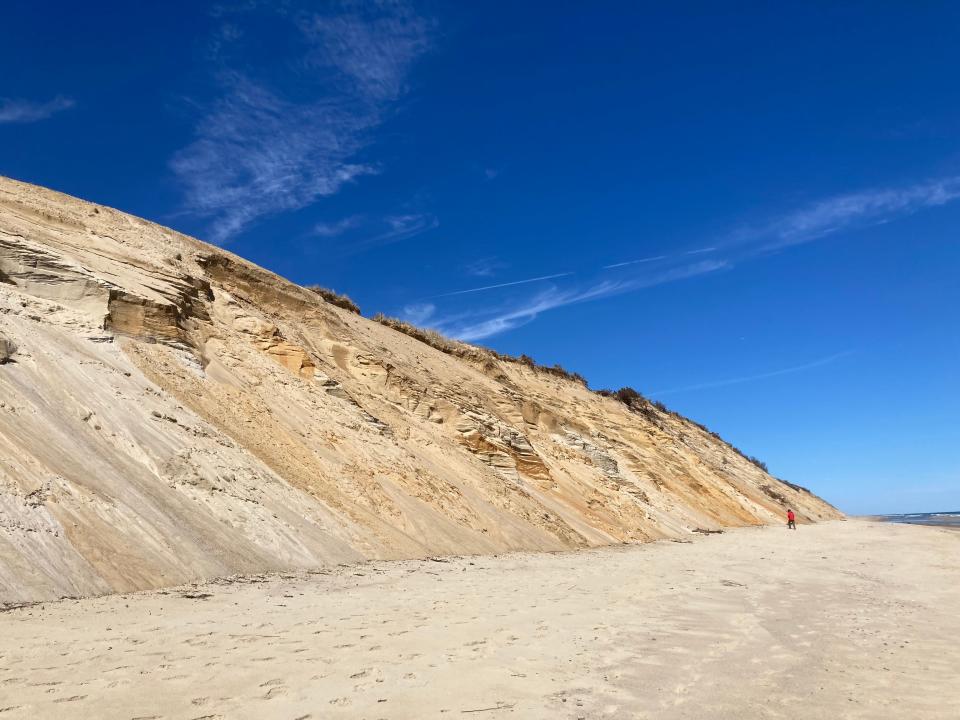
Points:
x=853 y=619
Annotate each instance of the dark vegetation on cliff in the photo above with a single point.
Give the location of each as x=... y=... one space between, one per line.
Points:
x=335 y=298
x=461 y=349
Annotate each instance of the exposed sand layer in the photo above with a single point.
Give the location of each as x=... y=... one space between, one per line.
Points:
x=170 y=412
x=839 y=620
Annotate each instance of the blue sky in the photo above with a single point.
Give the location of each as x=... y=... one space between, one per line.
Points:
x=749 y=212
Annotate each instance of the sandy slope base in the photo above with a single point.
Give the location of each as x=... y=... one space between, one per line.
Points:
x=846 y=619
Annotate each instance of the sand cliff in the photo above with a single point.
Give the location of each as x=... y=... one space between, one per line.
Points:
x=171 y=412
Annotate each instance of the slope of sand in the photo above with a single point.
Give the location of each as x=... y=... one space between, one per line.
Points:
x=175 y=413
x=849 y=619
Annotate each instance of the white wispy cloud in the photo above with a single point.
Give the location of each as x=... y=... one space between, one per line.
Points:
x=356 y=234
x=418 y=313
x=334 y=229
x=403 y=226
x=526 y=311
x=258 y=154
x=398 y=227
x=477 y=327
x=484 y=267
x=869 y=207
x=804 y=225
x=372 y=44
x=761 y=376
x=28 y=111
x=260 y=150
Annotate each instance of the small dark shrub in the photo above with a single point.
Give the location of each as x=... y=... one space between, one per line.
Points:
x=629 y=396
x=798 y=488
x=561 y=371
x=425 y=335
x=773 y=494
x=335 y=298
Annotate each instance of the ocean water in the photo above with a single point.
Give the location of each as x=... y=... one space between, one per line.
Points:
x=949 y=519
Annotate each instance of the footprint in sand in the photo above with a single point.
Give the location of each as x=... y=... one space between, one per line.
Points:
x=367 y=674
x=274 y=692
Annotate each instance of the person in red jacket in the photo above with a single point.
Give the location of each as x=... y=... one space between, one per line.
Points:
x=791 y=520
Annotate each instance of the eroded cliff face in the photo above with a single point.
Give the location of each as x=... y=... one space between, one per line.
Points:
x=170 y=412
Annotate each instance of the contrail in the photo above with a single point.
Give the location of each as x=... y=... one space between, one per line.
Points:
x=506 y=284
x=560 y=275
x=761 y=376
x=634 y=262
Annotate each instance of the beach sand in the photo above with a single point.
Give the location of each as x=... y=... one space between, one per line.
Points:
x=853 y=619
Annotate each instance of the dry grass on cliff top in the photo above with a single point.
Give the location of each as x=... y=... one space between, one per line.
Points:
x=465 y=350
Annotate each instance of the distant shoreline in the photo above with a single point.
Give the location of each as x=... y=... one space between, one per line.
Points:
x=937 y=519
